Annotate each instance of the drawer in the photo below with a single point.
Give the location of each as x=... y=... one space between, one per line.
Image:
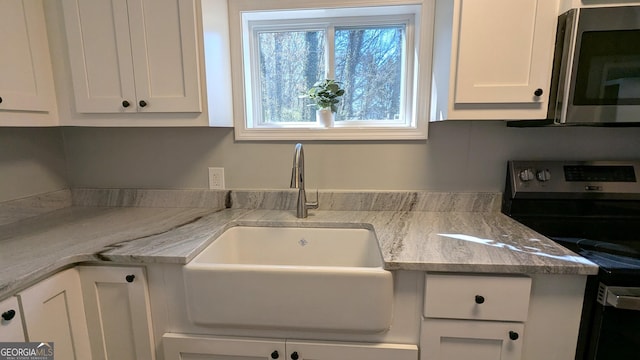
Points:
x=477 y=297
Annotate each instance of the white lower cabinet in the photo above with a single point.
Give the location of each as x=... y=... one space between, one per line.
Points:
x=318 y=350
x=118 y=313
x=11 y=321
x=478 y=317
x=444 y=339
x=53 y=311
x=191 y=347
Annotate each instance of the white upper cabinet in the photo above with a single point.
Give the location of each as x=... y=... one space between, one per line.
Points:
x=133 y=56
x=26 y=78
x=493 y=58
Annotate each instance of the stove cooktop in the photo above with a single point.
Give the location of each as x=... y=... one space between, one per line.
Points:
x=589 y=207
x=619 y=265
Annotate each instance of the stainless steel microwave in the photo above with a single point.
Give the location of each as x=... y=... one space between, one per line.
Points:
x=596 y=71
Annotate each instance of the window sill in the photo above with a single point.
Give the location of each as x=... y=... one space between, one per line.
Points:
x=336 y=133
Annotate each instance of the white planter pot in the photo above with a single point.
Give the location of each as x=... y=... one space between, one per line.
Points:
x=325 y=117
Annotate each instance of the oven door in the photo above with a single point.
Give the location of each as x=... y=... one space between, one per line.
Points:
x=616 y=324
x=604 y=80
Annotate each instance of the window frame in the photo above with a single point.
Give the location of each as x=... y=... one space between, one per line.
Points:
x=247 y=17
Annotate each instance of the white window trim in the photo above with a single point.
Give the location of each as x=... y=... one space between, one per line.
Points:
x=353 y=130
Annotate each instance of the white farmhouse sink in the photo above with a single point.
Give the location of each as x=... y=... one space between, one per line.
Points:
x=296 y=278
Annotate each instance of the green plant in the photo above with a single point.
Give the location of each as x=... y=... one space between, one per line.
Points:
x=325 y=94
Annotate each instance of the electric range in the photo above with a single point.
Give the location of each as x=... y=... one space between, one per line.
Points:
x=593 y=209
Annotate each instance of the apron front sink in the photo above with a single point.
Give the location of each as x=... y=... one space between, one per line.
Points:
x=291 y=278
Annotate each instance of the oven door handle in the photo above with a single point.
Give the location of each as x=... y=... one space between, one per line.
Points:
x=623 y=298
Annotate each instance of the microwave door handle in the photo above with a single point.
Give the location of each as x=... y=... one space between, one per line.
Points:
x=563 y=66
x=623 y=298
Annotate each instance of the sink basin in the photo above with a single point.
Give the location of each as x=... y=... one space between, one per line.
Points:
x=291 y=278
x=245 y=245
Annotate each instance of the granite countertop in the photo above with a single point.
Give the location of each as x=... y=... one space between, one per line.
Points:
x=453 y=241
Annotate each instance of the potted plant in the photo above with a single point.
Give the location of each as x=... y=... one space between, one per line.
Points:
x=326 y=95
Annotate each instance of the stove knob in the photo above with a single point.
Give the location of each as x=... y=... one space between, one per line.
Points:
x=543 y=175
x=526 y=175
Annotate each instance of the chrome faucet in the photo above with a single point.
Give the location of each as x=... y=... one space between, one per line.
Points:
x=297 y=182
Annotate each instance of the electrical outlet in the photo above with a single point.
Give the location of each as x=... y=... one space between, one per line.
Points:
x=216 y=178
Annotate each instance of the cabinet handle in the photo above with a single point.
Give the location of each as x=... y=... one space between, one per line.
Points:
x=513 y=335
x=8 y=315
x=143 y=103
x=294 y=355
x=130 y=278
x=125 y=104
x=479 y=299
x=0 y=99
x=275 y=355
x=538 y=92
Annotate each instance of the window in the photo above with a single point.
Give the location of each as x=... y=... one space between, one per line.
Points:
x=375 y=52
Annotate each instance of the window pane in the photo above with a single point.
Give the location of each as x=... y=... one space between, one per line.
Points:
x=290 y=63
x=369 y=63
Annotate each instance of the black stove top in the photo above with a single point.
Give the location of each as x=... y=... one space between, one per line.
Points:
x=626 y=249
x=614 y=259
x=595 y=217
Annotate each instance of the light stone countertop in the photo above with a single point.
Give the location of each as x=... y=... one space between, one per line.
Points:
x=453 y=232
x=454 y=241
x=36 y=247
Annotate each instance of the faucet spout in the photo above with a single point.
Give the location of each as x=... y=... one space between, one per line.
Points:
x=297 y=182
x=297 y=171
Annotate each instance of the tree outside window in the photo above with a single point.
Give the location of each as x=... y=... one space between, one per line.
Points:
x=368 y=60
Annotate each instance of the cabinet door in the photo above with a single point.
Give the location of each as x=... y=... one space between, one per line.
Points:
x=165 y=55
x=118 y=313
x=11 y=321
x=320 y=350
x=26 y=80
x=466 y=339
x=100 y=55
x=192 y=347
x=136 y=55
x=53 y=311
x=505 y=50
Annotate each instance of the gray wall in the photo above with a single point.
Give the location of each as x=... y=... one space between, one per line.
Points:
x=32 y=161
x=458 y=156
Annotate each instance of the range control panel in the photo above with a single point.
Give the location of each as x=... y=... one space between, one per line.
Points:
x=573 y=179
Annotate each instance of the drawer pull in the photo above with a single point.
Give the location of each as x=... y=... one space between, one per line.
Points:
x=513 y=335
x=479 y=299
x=9 y=315
x=275 y=355
x=294 y=355
x=130 y=278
